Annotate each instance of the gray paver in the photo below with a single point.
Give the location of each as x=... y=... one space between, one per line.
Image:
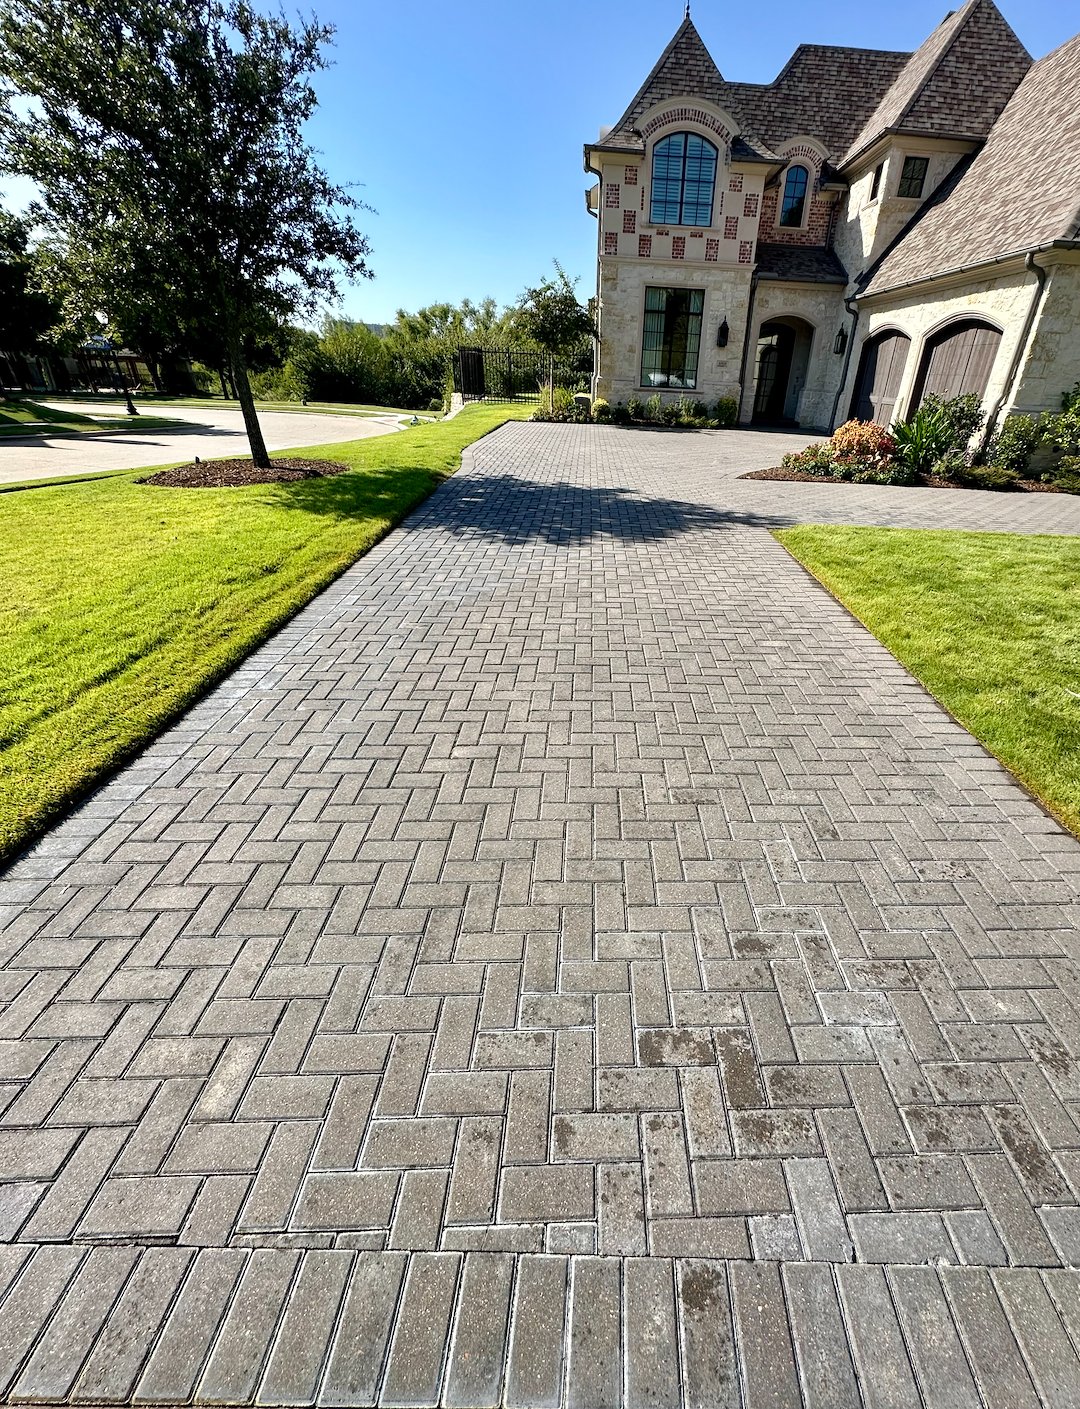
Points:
x=575 y=897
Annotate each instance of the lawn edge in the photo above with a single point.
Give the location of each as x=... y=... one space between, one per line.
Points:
x=1041 y=803
x=64 y=806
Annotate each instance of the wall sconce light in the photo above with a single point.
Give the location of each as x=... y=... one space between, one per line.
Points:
x=722 y=334
x=840 y=345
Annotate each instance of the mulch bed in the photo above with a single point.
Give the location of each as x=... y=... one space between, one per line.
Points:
x=1023 y=486
x=232 y=474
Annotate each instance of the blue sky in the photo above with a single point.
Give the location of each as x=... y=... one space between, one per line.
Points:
x=462 y=125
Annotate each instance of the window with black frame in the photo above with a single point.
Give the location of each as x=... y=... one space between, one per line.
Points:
x=913 y=177
x=683 y=180
x=672 y=338
x=794 y=202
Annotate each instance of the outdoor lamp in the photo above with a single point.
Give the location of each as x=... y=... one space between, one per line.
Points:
x=840 y=345
x=722 y=334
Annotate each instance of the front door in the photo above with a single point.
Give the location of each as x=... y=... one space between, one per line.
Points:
x=776 y=345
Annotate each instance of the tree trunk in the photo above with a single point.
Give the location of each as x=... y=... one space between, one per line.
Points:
x=259 y=456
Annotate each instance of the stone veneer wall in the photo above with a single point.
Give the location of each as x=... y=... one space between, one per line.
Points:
x=622 y=302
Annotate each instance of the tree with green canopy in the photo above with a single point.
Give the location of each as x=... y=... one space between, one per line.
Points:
x=166 y=138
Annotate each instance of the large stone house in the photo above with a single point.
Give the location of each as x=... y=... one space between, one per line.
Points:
x=866 y=229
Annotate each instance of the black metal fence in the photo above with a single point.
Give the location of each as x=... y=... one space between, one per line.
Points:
x=514 y=374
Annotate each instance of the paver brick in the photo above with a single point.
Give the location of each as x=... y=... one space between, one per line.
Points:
x=572 y=897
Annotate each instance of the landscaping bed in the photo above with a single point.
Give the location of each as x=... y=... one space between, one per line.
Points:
x=233 y=474
x=1022 y=486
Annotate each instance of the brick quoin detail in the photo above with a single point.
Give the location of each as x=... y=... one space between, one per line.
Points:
x=746 y=250
x=644 y=246
x=750 y=205
x=629 y=222
x=676 y=115
x=731 y=227
x=613 y=196
x=678 y=246
x=712 y=249
x=735 y=184
x=630 y=176
x=611 y=243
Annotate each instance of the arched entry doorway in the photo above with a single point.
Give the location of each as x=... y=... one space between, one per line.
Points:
x=783 y=356
x=881 y=367
x=957 y=359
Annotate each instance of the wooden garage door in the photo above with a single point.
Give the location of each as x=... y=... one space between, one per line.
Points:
x=880 y=370
x=957 y=360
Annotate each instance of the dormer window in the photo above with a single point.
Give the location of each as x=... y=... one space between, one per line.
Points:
x=913 y=177
x=683 y=180
x=794 y=202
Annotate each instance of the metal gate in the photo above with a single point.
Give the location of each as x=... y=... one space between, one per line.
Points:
x=514 y=374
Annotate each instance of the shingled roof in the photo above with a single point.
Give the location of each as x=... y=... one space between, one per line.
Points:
x=804 y=264
x=1019 y=193
x=956 y=84
x=823 y=91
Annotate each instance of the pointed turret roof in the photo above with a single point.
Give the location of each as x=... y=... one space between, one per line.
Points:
x=956 y=84
x=684 y=70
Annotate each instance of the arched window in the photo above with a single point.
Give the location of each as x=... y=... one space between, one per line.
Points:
x=683 y=179
x=794 y=202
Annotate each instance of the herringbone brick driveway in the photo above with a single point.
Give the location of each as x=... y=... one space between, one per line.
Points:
x=572 y=963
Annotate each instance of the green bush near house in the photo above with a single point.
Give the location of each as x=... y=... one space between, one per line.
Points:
x=121 y=603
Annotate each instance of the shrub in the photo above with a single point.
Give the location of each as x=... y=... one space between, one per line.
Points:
x=922 y=440
x=1070 y=400
x=699 y=412
x=601 y=411
x=669 y=413
x=814 y=460
x=963 y=415
x=863 y=441
x=726 y=412
x=620 y=414
x=1063 y=431
x=986 y=476
x=558 y=405
x=634 y=408
x=654 y=409
x=1014 y=444
x=1066 y=474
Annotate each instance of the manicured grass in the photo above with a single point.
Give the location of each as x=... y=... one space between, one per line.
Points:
x=23 y=417
x=121 y=603
x=989 y=622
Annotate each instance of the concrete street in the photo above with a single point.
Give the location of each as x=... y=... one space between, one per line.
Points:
x=571 y=963
x=213 y=435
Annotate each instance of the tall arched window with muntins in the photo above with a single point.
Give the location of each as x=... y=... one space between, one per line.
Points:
x=794 y=202
x=683 y=180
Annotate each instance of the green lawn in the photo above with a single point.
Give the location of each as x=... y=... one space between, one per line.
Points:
x=120 y=603
x=22 y=417
x=989 y=622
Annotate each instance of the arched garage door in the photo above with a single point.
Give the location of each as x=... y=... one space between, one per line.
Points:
x=957 y=360
x=880 y=369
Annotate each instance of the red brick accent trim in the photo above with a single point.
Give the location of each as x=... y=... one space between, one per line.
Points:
x=735 y=184
x=712 y=249
x=746 y=251
x=629 y=222
x=644 y=246
x=678 y=246
x=674 y=116
x=630 y=176
x=611 y=243
x=613 y=195
x=750 y=205
x=731 y=227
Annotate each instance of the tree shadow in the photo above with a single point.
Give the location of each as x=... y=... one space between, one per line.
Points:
x=511 y=509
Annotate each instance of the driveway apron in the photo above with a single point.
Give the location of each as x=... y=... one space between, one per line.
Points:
x=571 y=963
